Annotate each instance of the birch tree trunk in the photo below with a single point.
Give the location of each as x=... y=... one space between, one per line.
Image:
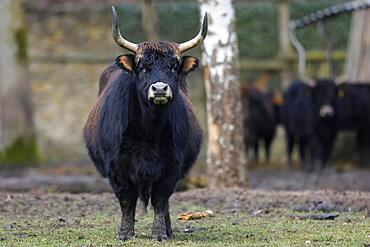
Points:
x=358 y=60
x=17 y=140
x=226 y=160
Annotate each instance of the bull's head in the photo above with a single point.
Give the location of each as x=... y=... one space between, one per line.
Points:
x=324 y=98
x=157 y=65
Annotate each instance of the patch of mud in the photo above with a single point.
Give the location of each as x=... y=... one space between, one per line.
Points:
x=254 y=201
x=228 y=201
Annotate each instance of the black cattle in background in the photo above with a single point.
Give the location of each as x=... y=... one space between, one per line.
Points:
x=142 y=133
x=325 y=121
x=353 y=114
x=297 y=117
x=344 y=107
x=260 y=121
x=313 y=116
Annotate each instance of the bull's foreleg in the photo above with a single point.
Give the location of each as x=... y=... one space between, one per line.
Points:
x=268 y=141
x=126 y=230
x=161 y=219
x=302 y=152
x=161 y=193
x=290 y=145
x=168 y=225
x=127 y=195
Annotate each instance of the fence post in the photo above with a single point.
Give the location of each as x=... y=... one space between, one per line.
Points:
x=358 y=53
x=285 y=51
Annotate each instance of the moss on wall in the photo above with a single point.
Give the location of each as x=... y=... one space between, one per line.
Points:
x=23 y=151
x=20 y=36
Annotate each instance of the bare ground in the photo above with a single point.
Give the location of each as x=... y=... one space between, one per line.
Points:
x=221 y=200
x=354 y=180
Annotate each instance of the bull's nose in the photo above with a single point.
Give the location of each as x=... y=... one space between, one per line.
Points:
x=160 y=93
x=159 y=88
x=327 y=111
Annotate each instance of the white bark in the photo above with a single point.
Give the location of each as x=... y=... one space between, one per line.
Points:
x=220 y=46
x=225 y=157
x=15 y=106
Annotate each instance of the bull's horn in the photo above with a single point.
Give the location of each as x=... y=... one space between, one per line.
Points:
x=117 y=34
x=197 y=39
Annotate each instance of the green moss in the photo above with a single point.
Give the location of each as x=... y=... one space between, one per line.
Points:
x=23 y=151
x=20 y=36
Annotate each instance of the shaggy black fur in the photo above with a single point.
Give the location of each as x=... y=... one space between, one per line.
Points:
x=298 y=119
x=143 y=148
x=260 y=120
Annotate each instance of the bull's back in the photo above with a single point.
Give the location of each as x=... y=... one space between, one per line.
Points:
x=108 y=75
x=259 y=119
x=90 y=129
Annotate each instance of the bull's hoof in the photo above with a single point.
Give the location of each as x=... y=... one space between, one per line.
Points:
x=161 y=237
x=170 y=235
x=123 y=236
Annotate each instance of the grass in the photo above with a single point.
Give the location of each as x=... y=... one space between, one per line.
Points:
x=98 y=228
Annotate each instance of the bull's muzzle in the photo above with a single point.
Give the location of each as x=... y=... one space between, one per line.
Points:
x=160 y=93
x=326 y=111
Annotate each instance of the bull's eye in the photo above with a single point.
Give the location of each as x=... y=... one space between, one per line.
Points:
x=341 y=93
x=174 y=69
x=144 y=69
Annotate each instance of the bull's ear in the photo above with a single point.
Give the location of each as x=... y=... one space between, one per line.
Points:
x=126 y=62
x=188 y=64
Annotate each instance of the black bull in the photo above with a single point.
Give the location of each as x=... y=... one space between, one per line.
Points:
x=351 y=105
x=262 y=115
x=142 y=133
x=328 y=109
x=297 y=117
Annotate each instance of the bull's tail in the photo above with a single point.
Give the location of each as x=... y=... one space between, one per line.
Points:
x=144 y=195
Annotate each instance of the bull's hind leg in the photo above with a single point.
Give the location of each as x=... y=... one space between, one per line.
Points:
x=127 y=195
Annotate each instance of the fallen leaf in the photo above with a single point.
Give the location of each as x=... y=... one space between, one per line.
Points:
x=196 y=215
